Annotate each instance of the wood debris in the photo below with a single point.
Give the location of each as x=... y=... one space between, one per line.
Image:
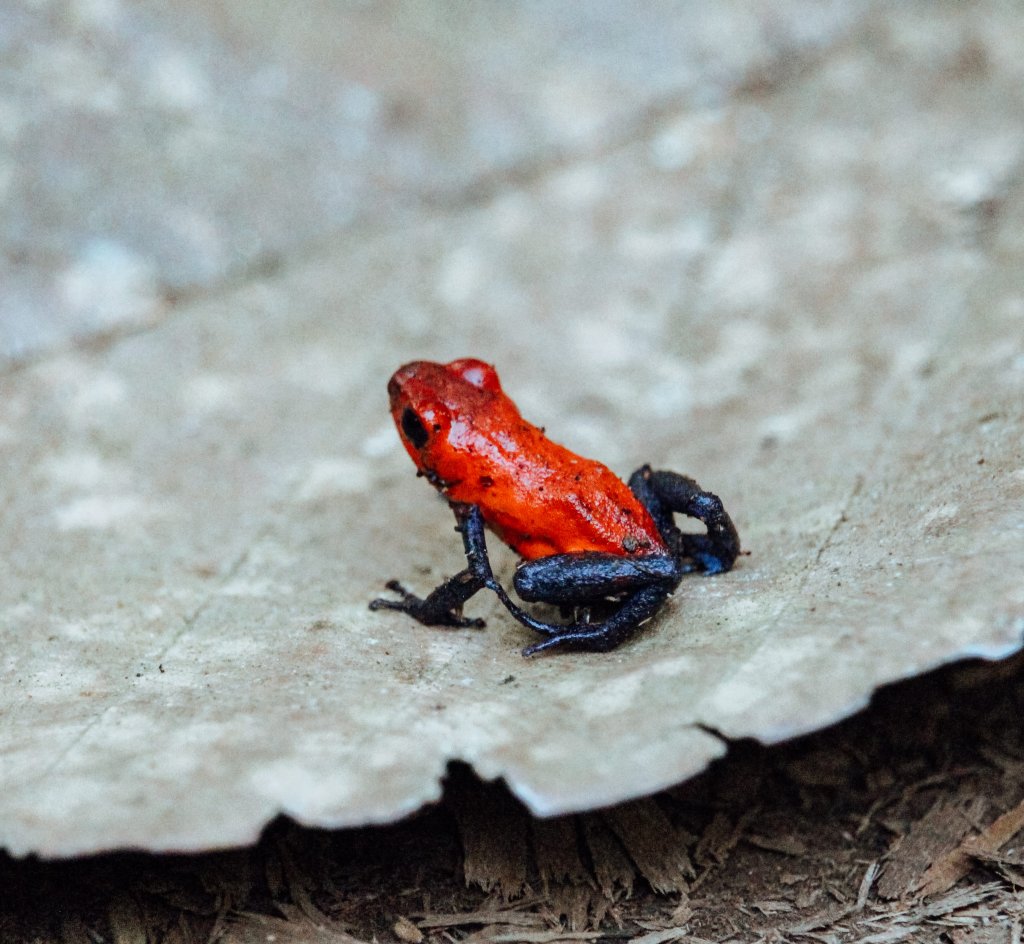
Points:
x=556 y=847
x=653 y=844
x=870 y=874
x=515 y=936
x=822 y=919
x=406 y=931
x=946 y=871
x=495 y=835
x=578 y=905
x=526 y=919
x=1008 y=866
x=567 y=883
x=612 y=868
x=251 y=928
x=664 y=936
x=956 y=900
x=717 y=841
x=785 y=845
x=939 y=830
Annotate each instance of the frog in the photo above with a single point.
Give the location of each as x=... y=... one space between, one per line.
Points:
x=589 y=543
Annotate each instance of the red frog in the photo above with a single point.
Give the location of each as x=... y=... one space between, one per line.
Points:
x=587 y=539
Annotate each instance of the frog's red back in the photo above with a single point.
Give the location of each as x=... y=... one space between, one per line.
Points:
x=469 y=439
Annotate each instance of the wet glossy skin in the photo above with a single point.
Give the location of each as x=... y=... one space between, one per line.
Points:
x=589 y=540
x=469 y=439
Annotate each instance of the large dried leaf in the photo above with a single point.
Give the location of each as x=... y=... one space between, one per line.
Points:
x=807 y=296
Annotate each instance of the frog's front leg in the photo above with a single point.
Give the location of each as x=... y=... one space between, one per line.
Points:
x=443 y=606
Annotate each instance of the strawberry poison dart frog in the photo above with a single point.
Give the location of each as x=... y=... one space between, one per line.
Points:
x=590 y=543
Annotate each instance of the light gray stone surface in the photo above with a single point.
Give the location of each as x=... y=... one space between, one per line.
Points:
x=775 y=250
x=149 y=151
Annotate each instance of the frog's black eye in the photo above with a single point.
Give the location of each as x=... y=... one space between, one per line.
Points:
x=413 y=428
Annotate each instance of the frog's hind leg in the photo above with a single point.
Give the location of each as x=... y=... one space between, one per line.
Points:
x=563 y=579
x=584 y=577
x=665 y=493
x=606 y=635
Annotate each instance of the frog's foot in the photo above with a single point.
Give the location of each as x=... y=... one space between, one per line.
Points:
x=442 y=608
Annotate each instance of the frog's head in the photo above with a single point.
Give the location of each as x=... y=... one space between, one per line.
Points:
x=435 y=406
